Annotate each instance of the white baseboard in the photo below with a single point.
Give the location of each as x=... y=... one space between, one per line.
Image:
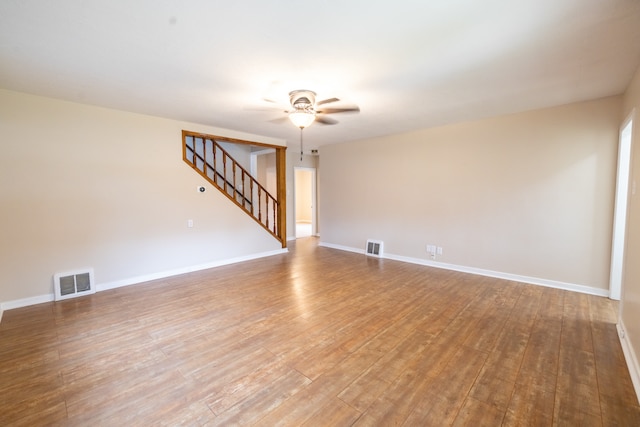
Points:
x=7 y=305
x=481 y=272
x=630 y=357
x=184 y=270
x=26 y=301
x=342 y=248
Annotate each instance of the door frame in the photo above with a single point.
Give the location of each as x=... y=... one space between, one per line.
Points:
x=314 y=197
x=623 y=175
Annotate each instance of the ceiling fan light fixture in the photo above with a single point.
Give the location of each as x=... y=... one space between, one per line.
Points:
x=302 y=118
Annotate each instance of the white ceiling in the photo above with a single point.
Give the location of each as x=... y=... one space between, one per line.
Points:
x=407 y=64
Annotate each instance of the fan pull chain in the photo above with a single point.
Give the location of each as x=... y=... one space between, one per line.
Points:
x=301 y=128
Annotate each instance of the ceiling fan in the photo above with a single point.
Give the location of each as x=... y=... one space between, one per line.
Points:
x=305 y=110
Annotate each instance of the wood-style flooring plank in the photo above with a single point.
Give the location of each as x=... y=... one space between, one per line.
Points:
x=375 y=379
x=449 y=389
x=397 y=402
x=317 y=337
x=250 y=409
x=477 y=413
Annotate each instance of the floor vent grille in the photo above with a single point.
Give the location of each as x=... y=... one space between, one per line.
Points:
x=73 y=284
x=374 y=248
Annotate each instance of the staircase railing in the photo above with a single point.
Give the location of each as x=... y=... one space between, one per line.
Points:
x=207 y=157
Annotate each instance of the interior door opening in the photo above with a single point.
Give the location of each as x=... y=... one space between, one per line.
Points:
x=305 y=201
x=620 y=209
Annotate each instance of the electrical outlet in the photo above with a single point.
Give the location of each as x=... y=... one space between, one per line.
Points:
x=190 y=223
x=439 y=250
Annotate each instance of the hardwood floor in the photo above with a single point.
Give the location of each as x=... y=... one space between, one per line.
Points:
x=317 y=337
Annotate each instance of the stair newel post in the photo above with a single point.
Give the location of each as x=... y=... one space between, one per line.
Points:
x=281 y=196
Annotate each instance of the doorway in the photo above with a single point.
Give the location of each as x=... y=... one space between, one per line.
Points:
x=620 y=209
x=304 y=183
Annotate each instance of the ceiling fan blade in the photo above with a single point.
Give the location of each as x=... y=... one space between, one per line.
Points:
x=271 y=101
x=264 y=108
x=326 y=120
x=279 y=120
x=272 y=105
x=339 y=110
x=327 y=101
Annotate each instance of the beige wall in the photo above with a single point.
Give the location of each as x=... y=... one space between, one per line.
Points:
x=303 y=197
x=630 y=303
x=241 y=153
x=528 y=194
x=264 y=163
x=83 y=186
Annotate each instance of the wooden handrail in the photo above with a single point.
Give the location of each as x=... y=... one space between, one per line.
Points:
x=274 y=209
x=209 y=165
x=241 y=168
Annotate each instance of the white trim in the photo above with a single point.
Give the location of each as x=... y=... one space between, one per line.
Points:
x=630 y=358
x=178 y=271
x=342 y=248
x=622 y=194
x=481 y=272
x=8 y=305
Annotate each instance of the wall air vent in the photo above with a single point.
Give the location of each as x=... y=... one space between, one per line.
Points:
x=73 y=284
x=374 y=248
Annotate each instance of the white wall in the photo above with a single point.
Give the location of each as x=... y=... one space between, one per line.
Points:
x=630 y=301
x=527 y=194
x=83 y=186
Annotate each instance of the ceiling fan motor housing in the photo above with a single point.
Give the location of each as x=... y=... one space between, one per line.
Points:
x=302 y=99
